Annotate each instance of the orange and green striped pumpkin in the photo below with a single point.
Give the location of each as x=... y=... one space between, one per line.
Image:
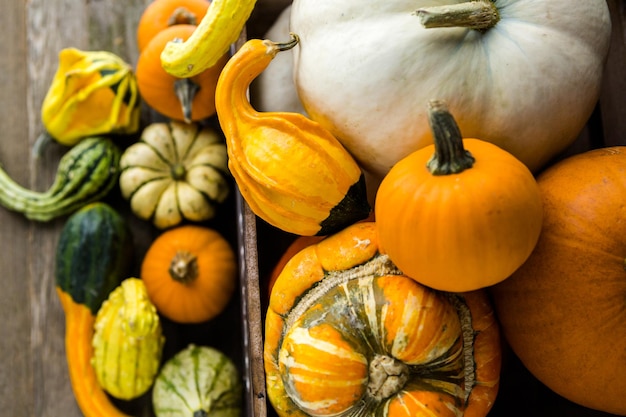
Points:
x=348 y=334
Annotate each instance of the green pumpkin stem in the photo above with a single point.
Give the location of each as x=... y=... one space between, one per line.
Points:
x=450 y=156
x=476 y=14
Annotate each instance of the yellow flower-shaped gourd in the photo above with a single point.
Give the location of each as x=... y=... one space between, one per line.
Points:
x=92 y=93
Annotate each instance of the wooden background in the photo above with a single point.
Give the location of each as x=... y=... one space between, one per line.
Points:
x=33 y=375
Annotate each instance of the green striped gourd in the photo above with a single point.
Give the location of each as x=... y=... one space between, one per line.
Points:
x=198 y=381
x=128 y=341
x=86 y=173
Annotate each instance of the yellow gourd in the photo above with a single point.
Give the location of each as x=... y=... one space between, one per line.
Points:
x=292 y=172
x=128 y=341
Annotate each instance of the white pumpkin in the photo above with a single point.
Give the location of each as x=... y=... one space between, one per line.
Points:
x=528 y=84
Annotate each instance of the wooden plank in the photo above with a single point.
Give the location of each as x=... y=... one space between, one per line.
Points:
x=34 y=379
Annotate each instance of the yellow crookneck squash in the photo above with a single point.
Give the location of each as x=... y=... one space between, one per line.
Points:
x=292 y=172
x=346 y=333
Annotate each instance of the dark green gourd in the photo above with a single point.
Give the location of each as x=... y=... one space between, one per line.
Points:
x=94 y=254
x=86 y=173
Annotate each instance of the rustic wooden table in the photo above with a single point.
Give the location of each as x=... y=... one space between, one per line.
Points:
x=33 y=375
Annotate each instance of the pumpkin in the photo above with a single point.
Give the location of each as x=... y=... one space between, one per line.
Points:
x=190 y=273
x=458 y=215
x=198 y=381
x=292 y=173
x=562 y=312
x=128 y=341
x=85 y=274
x=522 y=79
x=346 y=333
x=175 y=172
x=183 y=99
x=161 y=14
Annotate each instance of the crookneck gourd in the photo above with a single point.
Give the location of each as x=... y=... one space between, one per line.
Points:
x=86 y=173
x=347 y=334
x=176 y=172
x=292 y=172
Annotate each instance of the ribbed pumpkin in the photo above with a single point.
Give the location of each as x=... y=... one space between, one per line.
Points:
x=563 y=311
x=176 y=172
x=346 y=333
x=293 y=173
x=458 y=215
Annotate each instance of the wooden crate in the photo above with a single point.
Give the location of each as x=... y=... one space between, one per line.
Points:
x=33 y=380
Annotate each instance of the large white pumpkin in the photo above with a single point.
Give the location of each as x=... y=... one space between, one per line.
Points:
x=366 y=71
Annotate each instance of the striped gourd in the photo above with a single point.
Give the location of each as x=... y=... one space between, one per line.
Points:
x=348 y=334
x=198 y=381
x=86 y=173
x=127 y=342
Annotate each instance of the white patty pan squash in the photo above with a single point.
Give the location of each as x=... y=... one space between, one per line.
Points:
x=528 y=83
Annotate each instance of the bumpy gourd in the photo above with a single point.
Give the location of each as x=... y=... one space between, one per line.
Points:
x=175 y=172
x=86 y=173
x=92 y=93
x=128 y=341
x=458 y=215
x=292 y=172
x=198 y=381
x=346 y=333
x=85 y=274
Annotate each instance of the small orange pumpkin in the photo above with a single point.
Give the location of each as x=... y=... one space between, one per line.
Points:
x=161 y=14
x=190 y=273
x=463 y=219
x=182 y=99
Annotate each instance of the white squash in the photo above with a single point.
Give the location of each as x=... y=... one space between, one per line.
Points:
x=528 y=84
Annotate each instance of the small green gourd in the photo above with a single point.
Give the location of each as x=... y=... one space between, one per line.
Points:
x=198 y=381
x=86 y=173
x=128 y=341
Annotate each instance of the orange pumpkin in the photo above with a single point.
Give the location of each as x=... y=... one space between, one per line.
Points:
x=182 y=99
x=563 y=311
x=161 y=14
x=347 y=334
x=190 y=273
x=459 y=215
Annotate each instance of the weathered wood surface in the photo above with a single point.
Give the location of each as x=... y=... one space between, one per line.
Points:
x=33 y=376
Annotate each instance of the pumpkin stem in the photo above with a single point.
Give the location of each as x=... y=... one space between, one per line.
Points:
x=182 y=15
x=184 y=267
x=186 y=90
x=387 y=376
x=450 y=156
x=477 y=14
